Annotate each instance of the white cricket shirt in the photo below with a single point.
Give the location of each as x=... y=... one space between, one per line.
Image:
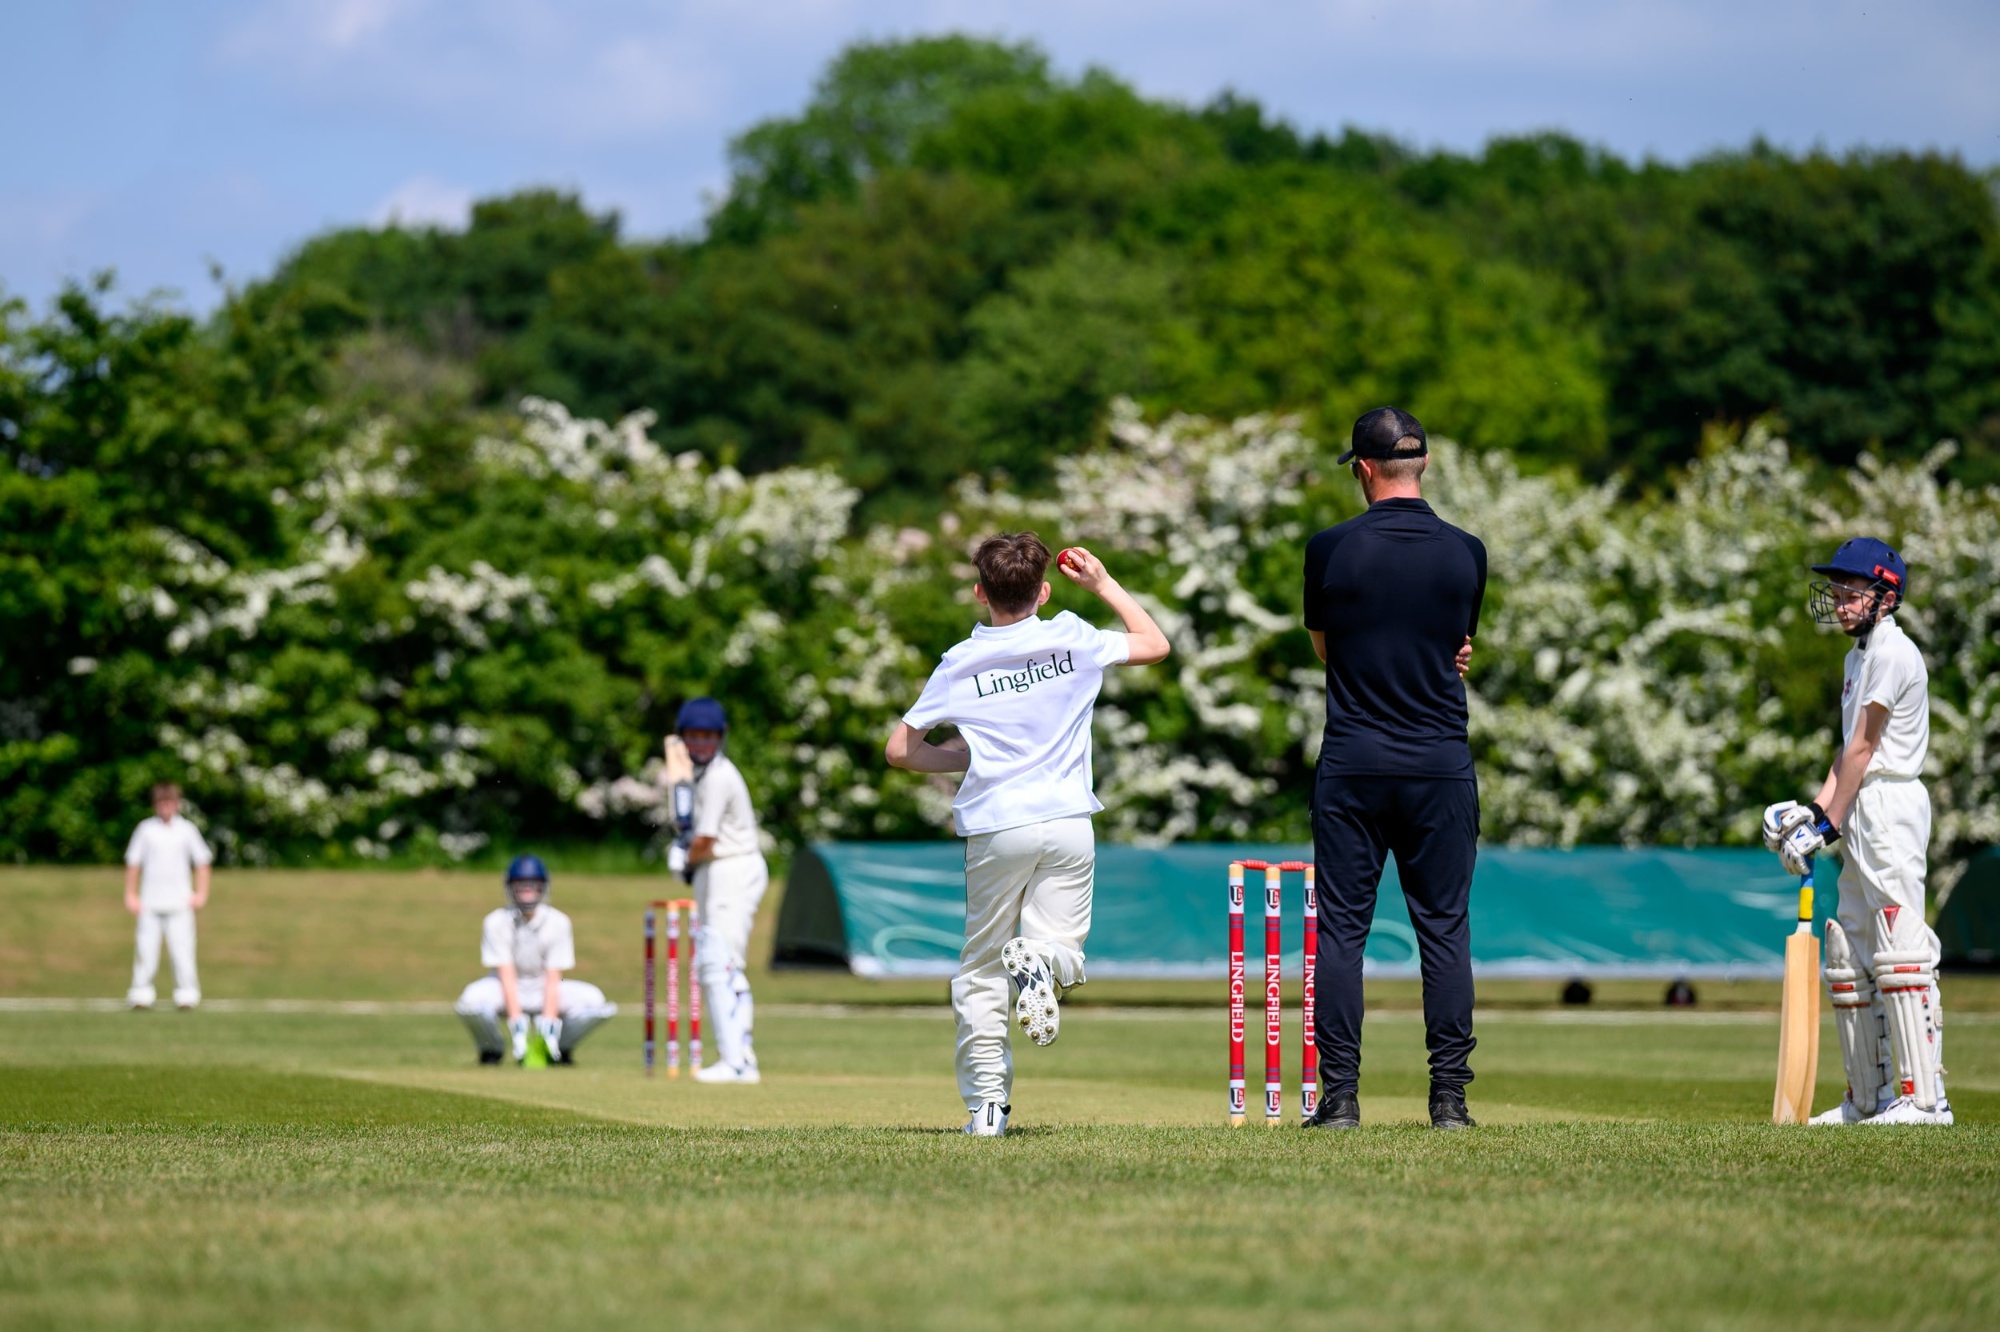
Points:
x=166 y=854
x=534 y=946
x=722 y=810
x=1889 y=671
x=1022 y=695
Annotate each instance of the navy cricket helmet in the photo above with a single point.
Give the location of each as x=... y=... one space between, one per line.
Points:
x=527 y=872
x=1860 y=557
x=701 y=714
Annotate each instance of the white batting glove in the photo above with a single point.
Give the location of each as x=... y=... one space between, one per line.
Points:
x=1776 y=820
x=552 y=1037
x=1809 y=832
x=677 y=860
x=518 y=1029
x=1799 y=848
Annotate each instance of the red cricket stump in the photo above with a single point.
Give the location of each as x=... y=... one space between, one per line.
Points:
x=673 y=992
x=649 y=992
x=1236 y=1017
x=1274 y=997
x=694 y=987
x=1308 y=1007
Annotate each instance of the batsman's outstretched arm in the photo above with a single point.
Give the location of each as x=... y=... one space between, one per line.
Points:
x=907 y=749
x=1144 y=642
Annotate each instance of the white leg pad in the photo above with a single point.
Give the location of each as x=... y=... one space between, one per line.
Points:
x=1906 y=957
x=1859 y=1018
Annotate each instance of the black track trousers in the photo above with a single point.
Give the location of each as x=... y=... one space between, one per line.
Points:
x=1432 y=826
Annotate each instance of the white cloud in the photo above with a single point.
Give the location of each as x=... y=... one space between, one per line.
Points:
x=424 y=201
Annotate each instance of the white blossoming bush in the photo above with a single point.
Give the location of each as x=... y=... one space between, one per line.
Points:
x=478 y=644
x=452 y=667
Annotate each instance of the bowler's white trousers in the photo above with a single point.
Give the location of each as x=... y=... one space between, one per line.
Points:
x=727 y=892
x=1034 y=881
x=177 y=927
x=483 y=1009
x=1884 y=848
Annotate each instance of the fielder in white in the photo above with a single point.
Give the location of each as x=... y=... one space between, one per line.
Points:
x=166 y=882
x=726 y=861
x=1021 y=692
x=531 y=947
x=1881 y=956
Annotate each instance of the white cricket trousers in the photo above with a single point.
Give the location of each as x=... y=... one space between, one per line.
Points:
x=727 y=893
x=1034 y=881
x=177 y=927
x=1884 y=850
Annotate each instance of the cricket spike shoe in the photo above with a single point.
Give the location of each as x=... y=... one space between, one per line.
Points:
x=1337 y=1110
x=1903 y=1110
x=745 y=1076
x=988 y=1121
x=1448 y=1111
x=1036 y=1010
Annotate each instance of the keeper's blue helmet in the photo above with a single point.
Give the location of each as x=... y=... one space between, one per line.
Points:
x=525 y=874
x=701 y=714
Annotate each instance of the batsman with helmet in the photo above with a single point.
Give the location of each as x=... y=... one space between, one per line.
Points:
x=723 y=857
x=1881 y=956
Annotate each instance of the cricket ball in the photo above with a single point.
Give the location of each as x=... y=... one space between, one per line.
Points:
x=1068 y=558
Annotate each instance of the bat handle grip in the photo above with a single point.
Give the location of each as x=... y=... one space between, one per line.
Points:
x=1806 y=895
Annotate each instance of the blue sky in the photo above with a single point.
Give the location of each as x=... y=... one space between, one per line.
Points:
x=160 y=138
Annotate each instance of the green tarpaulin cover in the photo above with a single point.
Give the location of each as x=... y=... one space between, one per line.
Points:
x=898 y=909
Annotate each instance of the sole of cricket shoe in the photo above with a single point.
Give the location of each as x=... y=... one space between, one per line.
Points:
x=1036 y=1012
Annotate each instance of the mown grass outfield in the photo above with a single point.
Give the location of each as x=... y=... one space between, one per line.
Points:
x=327 y=1167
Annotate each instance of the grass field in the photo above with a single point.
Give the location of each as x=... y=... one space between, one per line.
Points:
x=317 y=1168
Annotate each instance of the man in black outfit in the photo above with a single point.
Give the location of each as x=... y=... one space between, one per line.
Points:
x=1391 y=600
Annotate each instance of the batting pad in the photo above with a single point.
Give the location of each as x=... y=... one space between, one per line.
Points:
x=1906 y=976
x=1858 y=1018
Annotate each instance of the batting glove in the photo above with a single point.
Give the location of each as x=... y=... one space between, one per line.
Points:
x=518 y=1029
x=1777 y=821
x=1806 y=839
x=552 y=1036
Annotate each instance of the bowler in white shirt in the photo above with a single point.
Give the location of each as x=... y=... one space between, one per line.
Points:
x=1021 y=692
x=166 y=882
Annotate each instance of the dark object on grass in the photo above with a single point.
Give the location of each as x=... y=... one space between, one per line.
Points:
x=1680 y=994
x=1448 y=1111
x=1577 y=991
x=489 y=1056
x=1340 y=1110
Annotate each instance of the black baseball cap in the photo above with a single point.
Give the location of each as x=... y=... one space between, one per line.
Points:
x=1378 y=432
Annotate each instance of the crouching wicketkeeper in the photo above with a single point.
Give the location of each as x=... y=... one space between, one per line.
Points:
x=1881 y=957
x=530 y=946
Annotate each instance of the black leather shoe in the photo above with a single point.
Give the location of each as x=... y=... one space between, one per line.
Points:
x=1340 y=1110
x=1448 y=1111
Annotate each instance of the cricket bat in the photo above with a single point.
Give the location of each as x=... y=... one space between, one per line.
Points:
x=1798 y=1020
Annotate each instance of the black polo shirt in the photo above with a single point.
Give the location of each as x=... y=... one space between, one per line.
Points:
x=1396 y=591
